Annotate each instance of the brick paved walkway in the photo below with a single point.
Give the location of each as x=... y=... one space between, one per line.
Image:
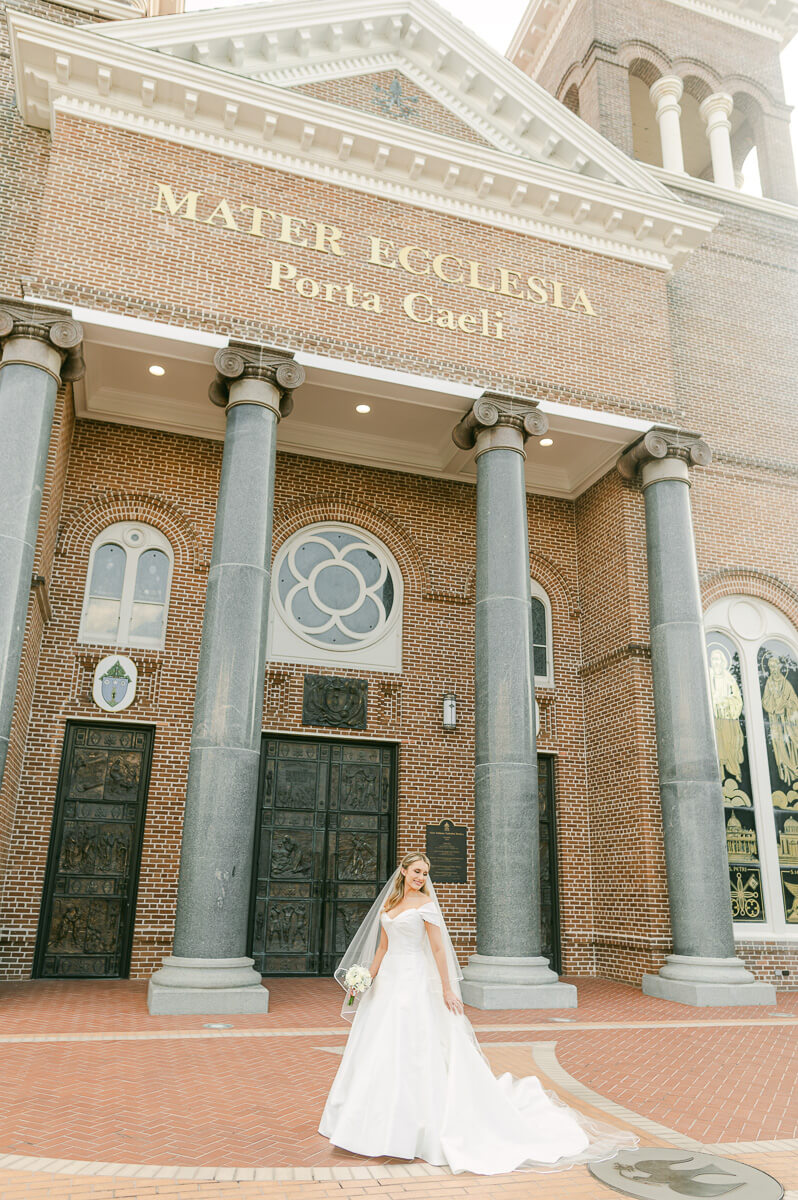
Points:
x=89 y=1078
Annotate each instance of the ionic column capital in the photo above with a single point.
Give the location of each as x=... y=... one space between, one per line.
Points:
x=672 y=450
x=716 y=110
x=666 y=93
x=241 y=365
x=41 y=337
x=496 y=421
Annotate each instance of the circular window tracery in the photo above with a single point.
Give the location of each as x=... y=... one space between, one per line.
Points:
x=337 y=587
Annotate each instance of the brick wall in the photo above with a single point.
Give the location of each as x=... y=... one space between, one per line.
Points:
x=708 y=349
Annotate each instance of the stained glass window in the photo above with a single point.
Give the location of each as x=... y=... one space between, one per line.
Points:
x=752 y=656
x=101 y=617
x=778 y=682
x=742 y=837
x=540 y=635
x=335 y=587
x=127 y=593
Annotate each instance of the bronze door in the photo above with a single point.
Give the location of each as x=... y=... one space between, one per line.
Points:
x=92 y=871
x=324 y=848
x=549 y=903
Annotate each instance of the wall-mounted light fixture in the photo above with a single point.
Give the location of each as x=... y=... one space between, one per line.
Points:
x=449 y=705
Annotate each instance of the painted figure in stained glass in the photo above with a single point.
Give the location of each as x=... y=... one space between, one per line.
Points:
x=727 y=710
x=727 y=706
x=780 y=702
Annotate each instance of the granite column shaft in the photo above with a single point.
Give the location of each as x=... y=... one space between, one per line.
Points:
x=209 y=970
x=507 y=971
x=703 y=969
x=39 y=349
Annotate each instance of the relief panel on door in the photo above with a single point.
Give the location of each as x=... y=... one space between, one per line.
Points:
x=89 y=895
x=324 y=839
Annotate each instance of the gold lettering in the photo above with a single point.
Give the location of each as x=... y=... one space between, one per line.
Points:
x=380 y=249
x=509 y=280
x=536 y=285
x=167 y=196
x=445 y=318
x=371 y=302
x=473 y=277
x=288 y=233
x=328 y=235
x=404 y=260
x=331 y=290
x=307 y=287
x=222 y=210
x=281 y=273
x=438 y=268
x=557 y=286
x=256 y=228
x=581 y=301
x=467 y=321
x=497 y=331
x=410 y=305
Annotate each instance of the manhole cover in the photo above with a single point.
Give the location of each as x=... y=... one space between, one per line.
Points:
x=652 y=1173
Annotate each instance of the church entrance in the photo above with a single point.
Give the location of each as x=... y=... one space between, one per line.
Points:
x=92 y=869
x=325 y=842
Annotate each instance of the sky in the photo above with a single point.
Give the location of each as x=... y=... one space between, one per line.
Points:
x=497 y=20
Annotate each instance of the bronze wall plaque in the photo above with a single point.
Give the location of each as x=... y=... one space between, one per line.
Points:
x=335 y=702
x=447 y=850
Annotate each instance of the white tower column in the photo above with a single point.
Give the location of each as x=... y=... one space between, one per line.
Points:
x=665 y=96
x=716 y=110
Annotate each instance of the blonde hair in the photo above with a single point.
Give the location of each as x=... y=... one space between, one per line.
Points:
x=398 y=890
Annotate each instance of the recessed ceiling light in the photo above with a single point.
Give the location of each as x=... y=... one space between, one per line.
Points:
x=362 y=408
x=155 y=369
x=547 y=441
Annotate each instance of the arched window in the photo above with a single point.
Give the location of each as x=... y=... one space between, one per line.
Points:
x=336 y=599
x=542 y=656
x=127 y=587
x=752 y=652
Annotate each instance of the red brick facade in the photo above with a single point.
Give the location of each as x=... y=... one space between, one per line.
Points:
x=706 y=349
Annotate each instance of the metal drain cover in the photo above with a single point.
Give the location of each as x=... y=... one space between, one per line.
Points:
x=654 y=1173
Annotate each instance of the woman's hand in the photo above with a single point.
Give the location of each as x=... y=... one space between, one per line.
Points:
x=452 y=1001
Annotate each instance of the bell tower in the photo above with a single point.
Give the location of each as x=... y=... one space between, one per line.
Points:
x=685 y=85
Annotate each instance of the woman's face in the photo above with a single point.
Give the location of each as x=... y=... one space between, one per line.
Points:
x=415 y=876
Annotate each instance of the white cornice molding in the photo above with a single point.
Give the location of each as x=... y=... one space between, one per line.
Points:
x=776 y=20
x=73 y=70
x=285 y=42
x=704 y=187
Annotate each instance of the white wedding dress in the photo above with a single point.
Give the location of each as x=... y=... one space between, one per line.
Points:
x=413 y=1082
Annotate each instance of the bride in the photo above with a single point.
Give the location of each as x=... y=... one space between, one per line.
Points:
x=413 y=1081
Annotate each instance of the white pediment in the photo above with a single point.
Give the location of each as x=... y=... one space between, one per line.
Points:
x=304 y=41
x=230 y=80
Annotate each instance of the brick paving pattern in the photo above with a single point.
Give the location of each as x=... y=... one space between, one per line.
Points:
x=208 y=1110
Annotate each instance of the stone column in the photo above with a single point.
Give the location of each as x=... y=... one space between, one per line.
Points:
x=716 y=110
x=665 y=96
x=508 y=970
x=209 y=971
x=703 y=969
x=40 y=350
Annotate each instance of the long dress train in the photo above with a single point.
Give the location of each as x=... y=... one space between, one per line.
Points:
x=413 y=1082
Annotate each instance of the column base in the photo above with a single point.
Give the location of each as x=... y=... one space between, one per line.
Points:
x=206 y=986
x=707 y=983
x=492 y=982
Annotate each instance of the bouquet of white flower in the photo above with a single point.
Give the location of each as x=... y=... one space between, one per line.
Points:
x=357 y=979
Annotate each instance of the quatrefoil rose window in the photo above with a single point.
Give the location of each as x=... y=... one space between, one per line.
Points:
x=337 y=587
